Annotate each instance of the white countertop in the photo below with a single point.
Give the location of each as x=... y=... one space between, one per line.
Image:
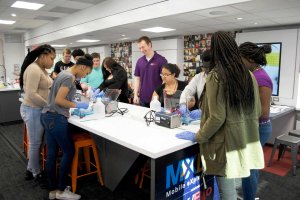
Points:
x=132 y=132
x=9 y=89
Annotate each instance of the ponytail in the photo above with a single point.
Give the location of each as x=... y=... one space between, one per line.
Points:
x=31 y=57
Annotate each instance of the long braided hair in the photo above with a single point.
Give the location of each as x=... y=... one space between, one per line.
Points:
x=228 y=64
x=251 y=51
x=32 y=56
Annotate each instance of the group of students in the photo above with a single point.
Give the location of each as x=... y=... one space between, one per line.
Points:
x=235 y=106
x=47 y=101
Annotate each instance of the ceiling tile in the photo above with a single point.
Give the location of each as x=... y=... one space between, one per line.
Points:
x=63 y=10
x=265 y=5
x=289 y=12
x=46 y=18
x=229 y=10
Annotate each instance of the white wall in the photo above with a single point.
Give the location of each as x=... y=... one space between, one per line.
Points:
x=13 y=54
x=171 y=49
x=288 y=82
x=104 y=51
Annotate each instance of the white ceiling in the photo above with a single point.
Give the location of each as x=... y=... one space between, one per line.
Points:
x=255 y=14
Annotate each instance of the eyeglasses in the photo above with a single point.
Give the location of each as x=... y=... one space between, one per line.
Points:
x=165 y=75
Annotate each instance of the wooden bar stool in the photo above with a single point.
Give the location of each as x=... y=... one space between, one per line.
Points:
x=85 y=141
x=144 y=172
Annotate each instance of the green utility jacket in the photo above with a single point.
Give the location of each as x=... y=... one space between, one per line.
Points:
x=229 y=141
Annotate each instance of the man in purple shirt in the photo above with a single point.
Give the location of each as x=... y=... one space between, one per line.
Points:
x=147 y=72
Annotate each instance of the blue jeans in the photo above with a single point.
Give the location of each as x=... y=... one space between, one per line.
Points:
x=226 y=188
x=58 y=135
x=249 y=184
x=35 y=131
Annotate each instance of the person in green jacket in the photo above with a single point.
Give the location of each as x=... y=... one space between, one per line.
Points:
x=230 y=103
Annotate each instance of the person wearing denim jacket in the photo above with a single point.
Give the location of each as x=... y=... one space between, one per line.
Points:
x=254 y=57
x=36 y=83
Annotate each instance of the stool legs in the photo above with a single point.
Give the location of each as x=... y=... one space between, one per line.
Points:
x=74 y=170
x=96 y=156
x=273 y=152
x=294 y=152
x=86 y=153
x=281 y=151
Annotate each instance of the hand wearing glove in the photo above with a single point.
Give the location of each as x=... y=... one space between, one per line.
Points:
x=183 y=109
x=98 y=94
x=195 y=114
x=82 y=105
x=187 y=135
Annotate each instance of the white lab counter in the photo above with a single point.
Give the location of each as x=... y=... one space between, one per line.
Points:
x=132 y=132
x=283 y=120
x=126 y=141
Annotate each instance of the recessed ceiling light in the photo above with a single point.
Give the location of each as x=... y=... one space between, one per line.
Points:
x=218 y=12
x=71 y=43
x=13 y=15
x=126 y=38
x=239 y=18
x=87 y=40
x=7 y=22
x=157 y=29
x=58 y=45
x=123 y=35
x=255 y=23
x=27 y=5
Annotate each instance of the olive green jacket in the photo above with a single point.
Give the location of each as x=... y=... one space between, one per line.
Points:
x=229 y=141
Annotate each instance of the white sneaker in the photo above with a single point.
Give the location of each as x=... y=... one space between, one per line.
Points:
x=52 y=194
x=67 y=194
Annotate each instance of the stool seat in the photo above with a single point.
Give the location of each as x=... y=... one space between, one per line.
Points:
x=295 y=133
x=288 y=139
x=283 y=141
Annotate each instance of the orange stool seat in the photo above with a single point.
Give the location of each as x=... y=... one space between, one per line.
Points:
x=85 y=141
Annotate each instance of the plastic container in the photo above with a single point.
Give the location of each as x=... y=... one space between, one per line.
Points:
x=155 y=105
x=99 y=108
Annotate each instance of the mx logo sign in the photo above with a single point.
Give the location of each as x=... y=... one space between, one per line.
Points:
x=184 y=169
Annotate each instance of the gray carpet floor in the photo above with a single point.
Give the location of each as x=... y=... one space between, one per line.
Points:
x=14 y=187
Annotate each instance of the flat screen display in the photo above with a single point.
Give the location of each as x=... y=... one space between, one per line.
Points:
x=273 y=65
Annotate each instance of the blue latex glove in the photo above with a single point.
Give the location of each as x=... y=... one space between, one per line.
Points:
x=187 y=135
x=98 y=94
x=195 y=114
x=183 y=109
x=83 y=105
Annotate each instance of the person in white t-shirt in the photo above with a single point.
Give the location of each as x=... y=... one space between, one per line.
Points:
x=191 y=94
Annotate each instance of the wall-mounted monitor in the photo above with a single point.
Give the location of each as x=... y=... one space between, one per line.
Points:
x=273 y=65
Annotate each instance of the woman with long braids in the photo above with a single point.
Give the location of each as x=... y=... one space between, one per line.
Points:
x=228 y=138
x=254 y=57
x=36 y=83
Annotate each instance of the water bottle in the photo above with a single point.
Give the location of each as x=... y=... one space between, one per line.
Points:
x=155 y=104
x=99 y=108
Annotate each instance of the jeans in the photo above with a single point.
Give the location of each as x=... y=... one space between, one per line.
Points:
x=249 y=184
x=226 y=188
x=58 y=135
x=35 y=131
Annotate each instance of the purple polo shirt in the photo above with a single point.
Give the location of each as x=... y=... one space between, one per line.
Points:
x=149 y=73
